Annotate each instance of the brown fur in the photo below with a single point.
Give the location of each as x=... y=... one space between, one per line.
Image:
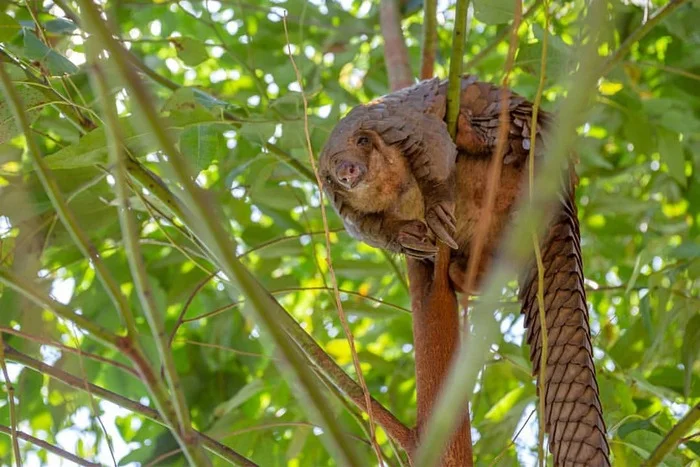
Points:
x=388 y=178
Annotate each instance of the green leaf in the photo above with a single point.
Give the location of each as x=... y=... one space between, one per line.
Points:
x=494 y=11
x=32 y=100
x=8 y=27
x=671 y=151
x=559 y=56
x=60 y=26
x=245 y=393
x=191 y=51
x=92 y=148
x=203 y=144
x=55 y=63
x=635 y=425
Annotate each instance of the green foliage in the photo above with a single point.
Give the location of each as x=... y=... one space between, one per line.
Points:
x=226 y=90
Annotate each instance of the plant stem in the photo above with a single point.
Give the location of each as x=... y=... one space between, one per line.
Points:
x=454 y=85
x=31 y=292
x=49 y=447
x=59 y=203
x=205 y=223
x=11 y=402
x=498 y=38
x=78 y=383
x=638 y=33
x=673 y=437
x=542 y=379
x=130 y=234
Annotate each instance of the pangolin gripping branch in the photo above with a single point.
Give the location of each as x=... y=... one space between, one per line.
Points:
x=398 y=181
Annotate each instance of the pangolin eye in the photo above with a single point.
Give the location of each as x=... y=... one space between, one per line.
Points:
x=363 y=141
x=329 y=180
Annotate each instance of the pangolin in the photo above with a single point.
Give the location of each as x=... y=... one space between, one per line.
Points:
x=398 y=181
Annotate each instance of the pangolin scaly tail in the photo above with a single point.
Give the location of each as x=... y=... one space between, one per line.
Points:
x=573 y=413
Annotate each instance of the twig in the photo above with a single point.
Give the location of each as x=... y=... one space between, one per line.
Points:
x=458 y=388
x=67 y=348
x=11 y=402
x=638 y=33
x=334 y=279
x=186 y=306
x=37 y=296
x=130 y=239
x=512 y=441
x=505 y=32
x=77 y=383
x=395 y=52
x=542 y=454
x=673 y=437
x=203 y=220
x=91 y=400
x=49 y=447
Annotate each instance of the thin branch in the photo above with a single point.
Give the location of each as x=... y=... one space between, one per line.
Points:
x=11 y=402
x=542 y=454
x=67 y=348
x=186 y=306
x=638 y=34
x=395 y=51
x=211 y=444
x=49 y=447
x=130 y=238
x=37 y=296
x=73 y=331
x=498 y=38
x=334 y=280
x=673 y=437
x=459 y=386
x=203 y=220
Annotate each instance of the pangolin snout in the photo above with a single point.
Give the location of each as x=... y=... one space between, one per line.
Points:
x=349 y=174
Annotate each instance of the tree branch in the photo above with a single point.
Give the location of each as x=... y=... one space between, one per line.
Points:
x=638 y=33
x=49 y=447
x=204 y=221
x=673 y=437
x=395 y=51
x=429 y=44
x=78 y=383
